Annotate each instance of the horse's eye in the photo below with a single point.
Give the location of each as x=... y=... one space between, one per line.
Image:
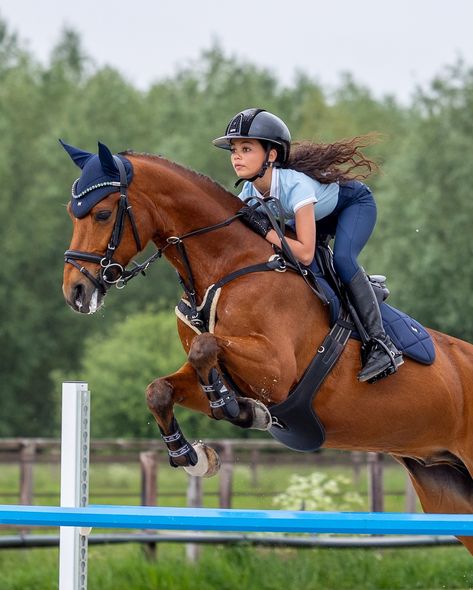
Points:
x=102 y=215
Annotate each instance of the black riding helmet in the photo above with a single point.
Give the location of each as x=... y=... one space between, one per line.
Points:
x=262 y=125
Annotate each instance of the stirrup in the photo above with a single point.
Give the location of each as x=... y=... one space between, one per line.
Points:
x=393 y=361
x=393 y=367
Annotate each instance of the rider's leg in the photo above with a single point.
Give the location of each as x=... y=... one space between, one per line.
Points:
x=383 y=354
x=355 y=223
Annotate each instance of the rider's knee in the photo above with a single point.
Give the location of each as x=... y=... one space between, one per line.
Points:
x=345 y=266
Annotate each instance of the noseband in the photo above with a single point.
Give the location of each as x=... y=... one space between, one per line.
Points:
x=111 y=272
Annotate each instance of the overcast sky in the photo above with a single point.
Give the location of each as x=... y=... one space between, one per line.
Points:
x=390 y=46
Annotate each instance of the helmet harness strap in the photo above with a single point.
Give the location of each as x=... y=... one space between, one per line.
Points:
x=262 y=172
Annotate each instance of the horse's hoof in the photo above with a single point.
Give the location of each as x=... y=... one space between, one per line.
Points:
x=262 y=419
x=208 y=462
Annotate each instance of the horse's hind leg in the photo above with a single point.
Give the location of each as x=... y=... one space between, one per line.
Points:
x=443 y=489
x=245 y=412
x=181 y=388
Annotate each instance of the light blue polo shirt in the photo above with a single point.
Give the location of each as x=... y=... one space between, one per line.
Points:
x=296 y=189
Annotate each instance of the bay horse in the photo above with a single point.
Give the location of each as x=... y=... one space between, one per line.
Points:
x=268 y=326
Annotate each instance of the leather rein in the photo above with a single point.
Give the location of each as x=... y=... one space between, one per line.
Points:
x=113 y=273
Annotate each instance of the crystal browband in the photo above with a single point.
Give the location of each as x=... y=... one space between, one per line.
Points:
x=91 y=188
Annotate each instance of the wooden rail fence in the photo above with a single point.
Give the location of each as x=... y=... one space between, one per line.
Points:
x=28 y=452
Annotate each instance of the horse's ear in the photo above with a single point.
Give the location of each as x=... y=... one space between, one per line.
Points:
x=106 y=159
x=78 y=156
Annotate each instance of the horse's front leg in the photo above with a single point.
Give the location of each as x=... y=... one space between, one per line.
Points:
x=205 y=352
x=182 y=388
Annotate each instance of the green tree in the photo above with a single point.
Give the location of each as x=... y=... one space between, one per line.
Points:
x=351 y=110
x=69 y=57
x=424 y=237
x=37 y=106
x=195 y=106
x=22 y=353
x=10 y=49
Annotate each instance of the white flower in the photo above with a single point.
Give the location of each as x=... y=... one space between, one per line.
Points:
x=318 y=491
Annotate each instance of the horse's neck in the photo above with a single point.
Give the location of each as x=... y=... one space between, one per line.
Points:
x=184 y=203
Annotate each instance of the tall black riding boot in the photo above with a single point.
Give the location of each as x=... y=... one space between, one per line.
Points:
x=383 y=357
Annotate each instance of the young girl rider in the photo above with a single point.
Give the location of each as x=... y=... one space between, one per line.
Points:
x=311 y=185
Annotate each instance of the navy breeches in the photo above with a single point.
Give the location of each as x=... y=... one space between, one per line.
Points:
x=355 y=216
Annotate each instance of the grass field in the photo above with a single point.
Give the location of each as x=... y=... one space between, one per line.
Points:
x=245 y=568
x=125 y=567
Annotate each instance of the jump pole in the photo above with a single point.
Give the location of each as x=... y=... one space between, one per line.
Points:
x=75 y=439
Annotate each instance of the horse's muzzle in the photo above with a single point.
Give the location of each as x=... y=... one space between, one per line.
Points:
x=83 y=297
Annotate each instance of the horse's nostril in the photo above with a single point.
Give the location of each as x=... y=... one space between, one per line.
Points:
x=78 y=295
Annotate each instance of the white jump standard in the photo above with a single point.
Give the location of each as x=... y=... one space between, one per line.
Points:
x=75 y=438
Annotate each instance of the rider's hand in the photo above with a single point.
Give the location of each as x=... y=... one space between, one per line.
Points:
x=255 y=220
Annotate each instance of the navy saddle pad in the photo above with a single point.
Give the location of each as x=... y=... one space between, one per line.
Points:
x=407 y=334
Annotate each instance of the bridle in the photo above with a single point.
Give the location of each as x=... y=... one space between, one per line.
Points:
x=114 y=273
x=111 y=272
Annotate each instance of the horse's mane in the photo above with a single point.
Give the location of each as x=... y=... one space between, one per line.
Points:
x=203 y=179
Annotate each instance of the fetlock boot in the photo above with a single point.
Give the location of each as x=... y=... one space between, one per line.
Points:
x=383 y=358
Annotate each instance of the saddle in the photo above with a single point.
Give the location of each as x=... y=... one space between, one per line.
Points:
x=408 y=335
x=295 y=423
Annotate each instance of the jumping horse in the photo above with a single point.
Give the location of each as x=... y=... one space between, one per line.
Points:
x=267 y=325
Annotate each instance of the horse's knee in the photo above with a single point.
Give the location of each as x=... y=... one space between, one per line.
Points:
x=203 y=352
x=159 y=396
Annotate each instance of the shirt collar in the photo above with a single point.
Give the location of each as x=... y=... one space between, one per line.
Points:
x=274 y=190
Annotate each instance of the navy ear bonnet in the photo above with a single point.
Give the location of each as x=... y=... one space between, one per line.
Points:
x=99 y=177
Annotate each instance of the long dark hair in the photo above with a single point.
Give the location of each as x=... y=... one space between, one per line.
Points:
x=333 y=162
